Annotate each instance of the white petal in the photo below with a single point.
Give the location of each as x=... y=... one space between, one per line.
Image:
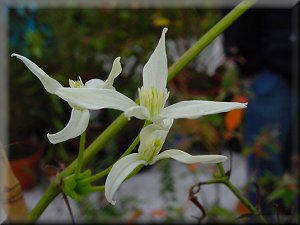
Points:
x=155 y=72
x=92 y=98
x=165 y=124
x=137 y=111
x=76 y=126
x=150 y=134
x=196 y=108
x=94 y=83
x=184 y=157
x=115 y=71
x=149 y=131
x=49 y=83
x=118 y=173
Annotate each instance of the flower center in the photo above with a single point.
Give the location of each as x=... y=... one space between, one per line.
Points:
x=153 y=99
x=152 y=150
x=76 y=84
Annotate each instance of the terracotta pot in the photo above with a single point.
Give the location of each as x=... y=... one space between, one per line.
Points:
x=27 y=169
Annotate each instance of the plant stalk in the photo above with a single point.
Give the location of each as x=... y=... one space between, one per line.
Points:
x=80 y=153
x=209 y=36
x=238 y=194
x=121 y=121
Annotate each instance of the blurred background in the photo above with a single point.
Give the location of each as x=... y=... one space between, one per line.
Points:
x=71 y=42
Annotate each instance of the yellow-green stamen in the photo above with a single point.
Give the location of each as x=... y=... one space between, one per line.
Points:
x=153 y=99
x=76 y=84
x=152 y=150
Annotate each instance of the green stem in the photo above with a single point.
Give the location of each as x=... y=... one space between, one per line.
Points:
x=209 y=36
x=224 y=179
x=221 y=169
x=121 y=121
x=80 y=153
x=97 y=188
x=238 y=194
x=244 y=200
x=128 y=151
x=48 y=196
x=52 y=191
x=106 y=171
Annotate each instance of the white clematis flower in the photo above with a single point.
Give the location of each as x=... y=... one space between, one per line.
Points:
x=80 y=115
x=152 y=139
x=153 y=95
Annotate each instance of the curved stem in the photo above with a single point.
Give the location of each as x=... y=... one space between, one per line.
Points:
x=128 y=151
x=238 y=194
x=106 y=171
x=244 y=200
x=121 y=121
x=52 y=191
x=224 y=179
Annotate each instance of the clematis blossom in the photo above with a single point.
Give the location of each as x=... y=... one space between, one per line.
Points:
x=152 y=139
x=153 y=95
x=80 y=115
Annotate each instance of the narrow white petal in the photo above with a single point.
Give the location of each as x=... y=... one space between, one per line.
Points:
x=118 y=173
x=76 y=126
x=137 y=111
x=155 y=72
x=93 y=98
x=94 y=83
x=49 y=83
x=184 y=157
x=115 y=71
x=196 y=108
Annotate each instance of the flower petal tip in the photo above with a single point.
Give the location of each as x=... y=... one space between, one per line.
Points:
x=165 y=30
x=244 y=105
x=49 y=136
x=113 y=202
x=224 y=158
x=14 y=54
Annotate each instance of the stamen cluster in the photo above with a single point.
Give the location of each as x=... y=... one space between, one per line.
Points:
x=153 y=99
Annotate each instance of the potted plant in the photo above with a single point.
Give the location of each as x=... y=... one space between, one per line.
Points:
x=25 y=157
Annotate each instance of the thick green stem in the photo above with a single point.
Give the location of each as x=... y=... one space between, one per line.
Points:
x=98 y=144
x=52 y=191
x=128 y=151
x=121 y=121
x=48 y=196
x=80 y=153
x=209 y=36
